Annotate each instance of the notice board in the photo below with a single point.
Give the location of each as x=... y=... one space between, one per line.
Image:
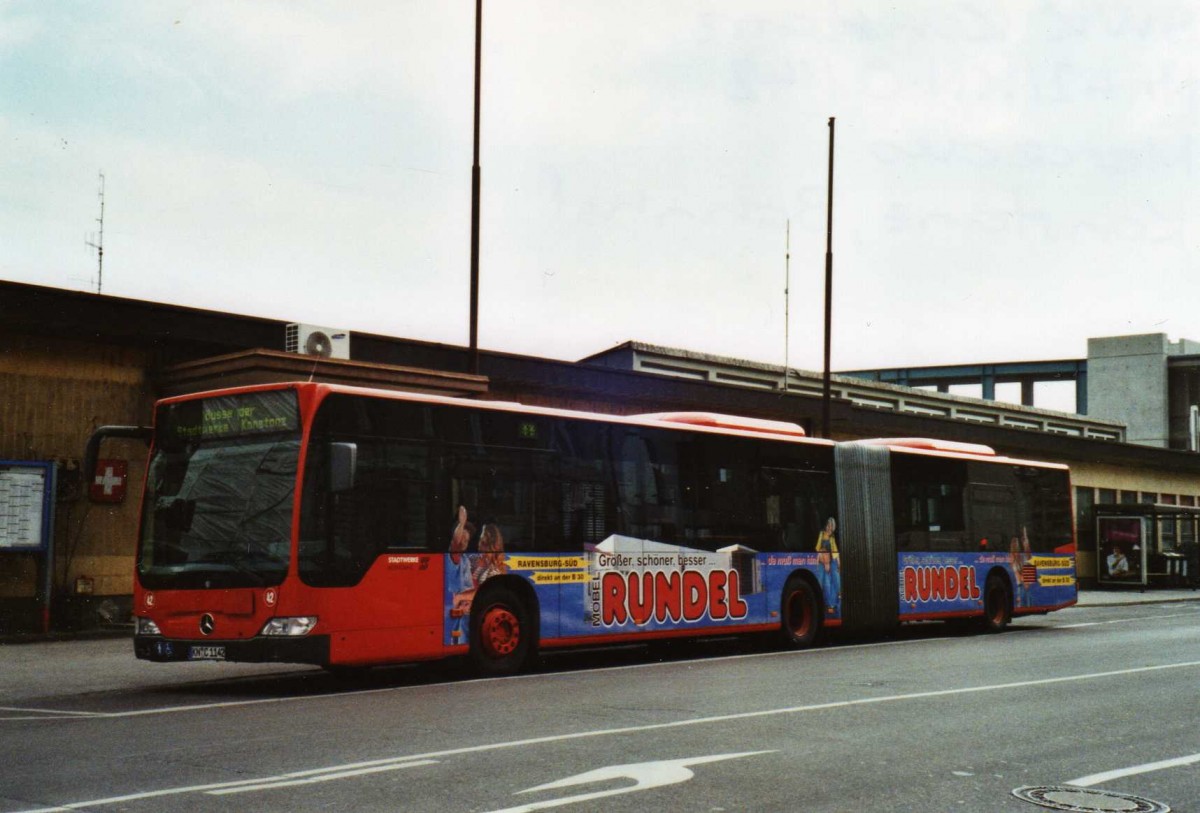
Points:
x=26 y=503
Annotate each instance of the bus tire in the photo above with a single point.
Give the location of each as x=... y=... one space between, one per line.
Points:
x=799 y=613
x=502 y=632
x=997 y=604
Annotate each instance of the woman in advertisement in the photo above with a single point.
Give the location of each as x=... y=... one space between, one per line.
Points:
x=827 y=560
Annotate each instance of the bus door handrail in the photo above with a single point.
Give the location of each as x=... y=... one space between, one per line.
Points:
x=92 y=451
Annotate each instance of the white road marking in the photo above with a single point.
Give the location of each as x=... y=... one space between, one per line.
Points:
x=45 y=714
x=289 y=779
x=262 y=783
x=1121 y=773
x=1124 y=621
x=638 y=729
x=48 y=714
x=114 y=715
x=645 y=776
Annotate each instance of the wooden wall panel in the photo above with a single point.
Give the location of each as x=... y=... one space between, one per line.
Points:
x=53 y=393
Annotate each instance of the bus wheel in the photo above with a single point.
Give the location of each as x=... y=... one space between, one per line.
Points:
x=997 y=604
x=501 y=632
x=798 y=609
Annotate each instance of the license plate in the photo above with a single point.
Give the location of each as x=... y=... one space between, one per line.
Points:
x=206 y=653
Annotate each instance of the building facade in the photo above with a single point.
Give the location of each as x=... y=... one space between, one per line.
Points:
x=71 y=362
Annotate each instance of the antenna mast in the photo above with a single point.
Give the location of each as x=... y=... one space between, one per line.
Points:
x=99 y=245
x=787 y=284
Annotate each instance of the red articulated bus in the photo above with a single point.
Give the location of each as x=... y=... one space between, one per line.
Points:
x=344 y=527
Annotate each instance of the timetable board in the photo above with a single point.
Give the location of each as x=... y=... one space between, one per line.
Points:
x=24 y=505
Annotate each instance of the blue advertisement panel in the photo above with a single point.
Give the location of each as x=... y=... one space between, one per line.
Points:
x=626 y=585
x=936 y=585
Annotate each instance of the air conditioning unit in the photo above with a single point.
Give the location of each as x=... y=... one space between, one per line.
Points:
x=313 y=340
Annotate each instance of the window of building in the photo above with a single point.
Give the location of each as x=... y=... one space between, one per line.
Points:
x=1187 y=524
x=1085 y=531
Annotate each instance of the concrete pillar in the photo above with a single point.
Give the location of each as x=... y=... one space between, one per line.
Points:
x=989 y=386
x=1127 y=382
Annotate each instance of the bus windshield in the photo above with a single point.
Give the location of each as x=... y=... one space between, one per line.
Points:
x=219 y=492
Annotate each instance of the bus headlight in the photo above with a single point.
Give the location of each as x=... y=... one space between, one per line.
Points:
x=147 y=627
x=298 y=625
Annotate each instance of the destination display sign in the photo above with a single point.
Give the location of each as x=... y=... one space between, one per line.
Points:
x=228 y=416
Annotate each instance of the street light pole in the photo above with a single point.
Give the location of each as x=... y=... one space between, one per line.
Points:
x=475 y=182
x=826 y=430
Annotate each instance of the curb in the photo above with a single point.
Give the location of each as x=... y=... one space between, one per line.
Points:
x=102 y=633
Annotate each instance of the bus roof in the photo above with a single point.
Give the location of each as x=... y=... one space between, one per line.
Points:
x=727 y=422
x=709 y=422
x=933 y=447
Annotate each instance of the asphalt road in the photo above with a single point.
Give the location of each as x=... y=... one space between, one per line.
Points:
x=1103 y=698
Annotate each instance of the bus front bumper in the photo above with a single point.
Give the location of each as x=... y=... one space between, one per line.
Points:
x=312 y=649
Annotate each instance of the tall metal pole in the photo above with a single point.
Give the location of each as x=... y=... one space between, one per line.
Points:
x=475 y=179
x=787 y=285
x=826 y=430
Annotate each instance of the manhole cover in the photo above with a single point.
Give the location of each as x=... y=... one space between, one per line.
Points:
x=1087 y=800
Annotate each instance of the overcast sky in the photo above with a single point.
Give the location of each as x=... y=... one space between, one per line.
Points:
x=1011 y=177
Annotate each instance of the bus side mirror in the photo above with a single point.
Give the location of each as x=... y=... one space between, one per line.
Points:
x=343 y=462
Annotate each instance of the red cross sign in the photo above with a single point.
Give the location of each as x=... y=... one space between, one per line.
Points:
x=108 y=481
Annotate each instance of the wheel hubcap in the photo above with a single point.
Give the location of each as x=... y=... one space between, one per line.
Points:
x=996 y=601
x=500 y=632
x=799 y=615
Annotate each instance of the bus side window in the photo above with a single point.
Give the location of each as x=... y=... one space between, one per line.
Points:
x=514 y=490
x=584 y=514
x=344 y=532
x=993 y=517
x=928 y=500
x=648 y=485
x=1044 y=498
x=796 y=506
x=720 y=493
x=588 y=506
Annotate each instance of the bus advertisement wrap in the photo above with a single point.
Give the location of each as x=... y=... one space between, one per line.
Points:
x=625 y=585
x=388 y=528
x=943 y=584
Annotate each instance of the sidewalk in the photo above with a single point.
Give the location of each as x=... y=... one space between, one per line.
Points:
x=108 y=631
x=1097 y=597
